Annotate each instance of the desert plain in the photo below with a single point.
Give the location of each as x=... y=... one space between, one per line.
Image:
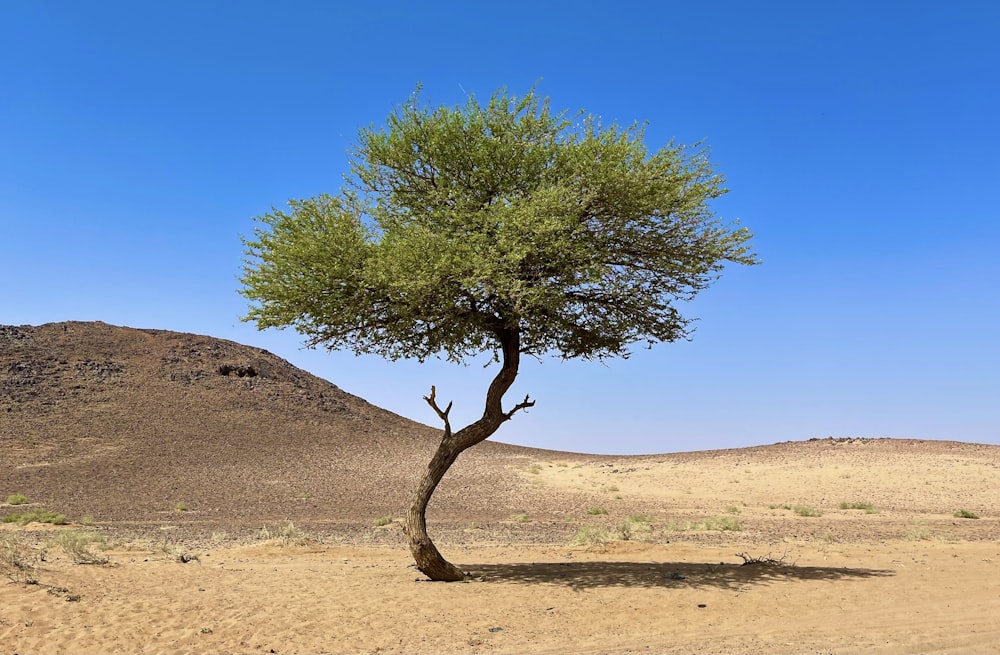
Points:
x=235 y=504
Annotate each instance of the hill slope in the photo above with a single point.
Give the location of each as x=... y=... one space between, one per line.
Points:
x=125 y=423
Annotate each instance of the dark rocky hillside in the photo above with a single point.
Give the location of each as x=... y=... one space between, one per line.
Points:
x=123 y=424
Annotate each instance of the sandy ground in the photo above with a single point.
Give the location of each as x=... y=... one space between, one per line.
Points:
x=913 y=597
x=909 y=577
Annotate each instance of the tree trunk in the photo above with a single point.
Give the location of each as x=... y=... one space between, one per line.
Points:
x=425 y=554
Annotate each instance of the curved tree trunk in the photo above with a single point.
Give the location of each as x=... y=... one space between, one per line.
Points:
x=425 y=554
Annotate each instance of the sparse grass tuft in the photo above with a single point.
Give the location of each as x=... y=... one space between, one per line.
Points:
x=806 y=510
x=521 y=518
x=632 y=530
x=965 y=514
x=732 y=509
x=589 y=535
x=87 y=520
x=918 y=532
x=382 y=520
x=36 y=516
x=534 y=469
x=287 y=535
x=18 y=561
x=181 y=507
x=721 y=523
x=78 y=545
x=867 y=507
x=17 y=499
x=594 y=511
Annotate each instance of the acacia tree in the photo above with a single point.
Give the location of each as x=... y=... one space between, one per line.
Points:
x=506 y=229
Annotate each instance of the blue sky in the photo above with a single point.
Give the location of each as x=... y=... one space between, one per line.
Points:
x=860 y=141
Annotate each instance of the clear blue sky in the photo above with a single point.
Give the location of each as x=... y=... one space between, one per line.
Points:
x=861 y=142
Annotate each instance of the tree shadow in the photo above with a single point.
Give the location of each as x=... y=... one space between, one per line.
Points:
x=591 y=575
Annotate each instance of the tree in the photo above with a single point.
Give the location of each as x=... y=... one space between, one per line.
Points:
x=506 y=229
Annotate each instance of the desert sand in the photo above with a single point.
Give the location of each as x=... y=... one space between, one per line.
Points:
x=240 y=514
x=907 y=578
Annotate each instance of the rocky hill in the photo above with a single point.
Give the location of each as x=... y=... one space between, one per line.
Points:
x=125 y=424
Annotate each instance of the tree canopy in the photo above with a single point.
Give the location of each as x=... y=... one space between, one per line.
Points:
x=459 y=222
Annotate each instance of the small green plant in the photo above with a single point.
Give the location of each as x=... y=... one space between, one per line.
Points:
x=181 y=507
x=521 y=518
x=721 y=523
x=732 y=509
x=641 y=518
x=79 y=546
x=806 y=510
x=965 y=514
x=589 y=535
x=87 y=520
x=631 y=530
x=17 y=499
x=36 y=516
x=613 y=488
x=867 y=507
x=382 y=520
x=594 y=511
x=534 y=469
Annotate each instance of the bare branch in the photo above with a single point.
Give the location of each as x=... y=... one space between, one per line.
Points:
x=524 y=404
x=432 y=401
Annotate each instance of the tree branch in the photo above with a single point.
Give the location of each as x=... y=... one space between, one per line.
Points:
x=524 y=404
x=432 y=401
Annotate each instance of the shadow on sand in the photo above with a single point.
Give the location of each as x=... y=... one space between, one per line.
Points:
x=590 y=575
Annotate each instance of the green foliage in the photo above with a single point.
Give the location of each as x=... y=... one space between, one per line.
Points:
x=17 y=499
x=594 y=511
x=634 y=530
x=641 y=518
x=382 y=520
x=588 y=535
x=806 y=510
x=36 y=516
x=720 y=523
x=965 y=514
x=460 y=224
